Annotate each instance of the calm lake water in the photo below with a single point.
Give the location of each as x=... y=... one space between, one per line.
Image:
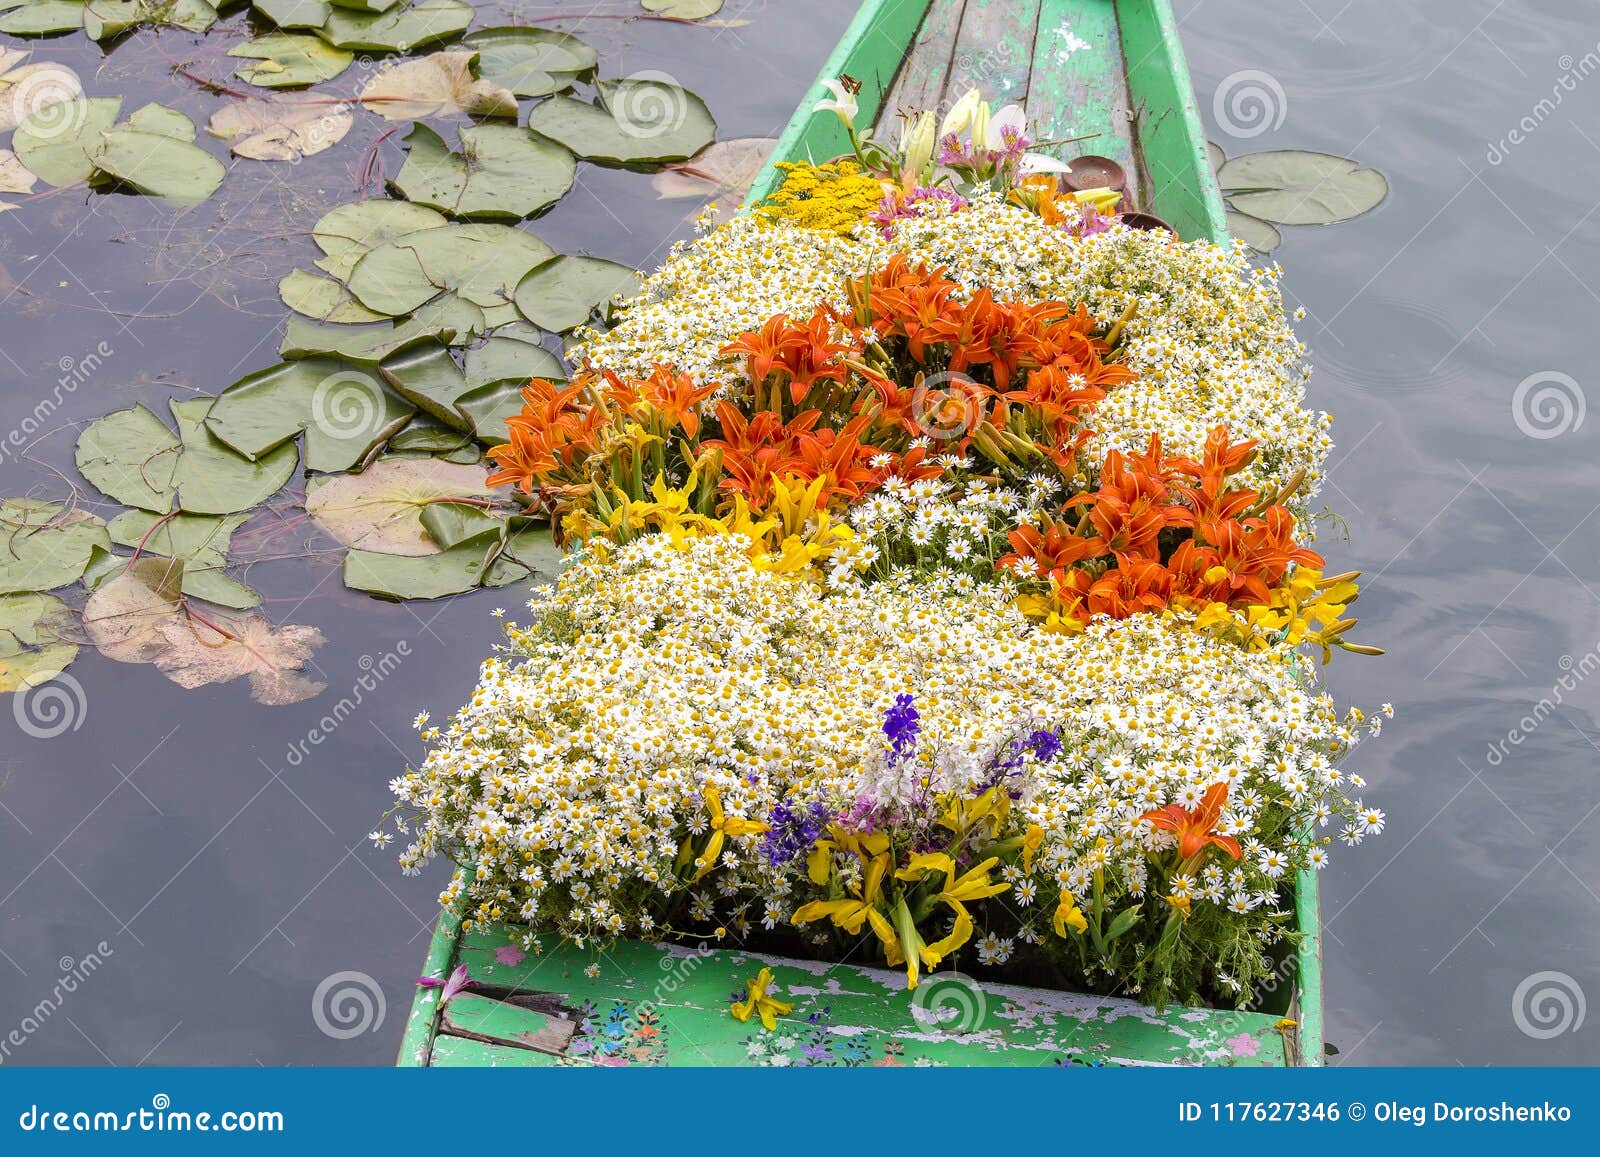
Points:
x=227 y=879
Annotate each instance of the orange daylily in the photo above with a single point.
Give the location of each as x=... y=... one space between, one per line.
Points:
x=1196 y=829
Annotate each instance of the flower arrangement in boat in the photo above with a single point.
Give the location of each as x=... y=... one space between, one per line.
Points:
x=940 y=588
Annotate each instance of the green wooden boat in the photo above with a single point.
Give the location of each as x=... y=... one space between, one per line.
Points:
x=1112 y=68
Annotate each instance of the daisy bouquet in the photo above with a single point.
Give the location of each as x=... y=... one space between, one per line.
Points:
x=940 y=583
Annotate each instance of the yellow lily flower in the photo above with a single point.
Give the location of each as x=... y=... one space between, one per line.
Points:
x=850 y=913
x=723 y=828
x=1032 y=841
x=1104 y=200
x=1069 y=915
x=768 y=1008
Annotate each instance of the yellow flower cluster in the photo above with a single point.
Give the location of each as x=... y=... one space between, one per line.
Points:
x=831 y=198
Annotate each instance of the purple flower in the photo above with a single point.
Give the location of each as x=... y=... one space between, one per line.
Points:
x=900 y=725
x=792 y=830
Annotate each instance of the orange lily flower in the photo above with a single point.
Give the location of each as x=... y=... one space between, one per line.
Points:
x=1196 y=830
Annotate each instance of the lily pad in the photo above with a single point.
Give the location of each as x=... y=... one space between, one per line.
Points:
x=531 y=61
x=30 y=89
x=44 y=544
x=434 y=576
x=280 y=130
x=451 y=524
x=565 y=292
x=43 y=18
x=344 y=410
x=640 y=122
x=200 y=542
x=502 y=171
x=1260 y=235
x=54 y=142
x=155 y=155
x=1215 y=155
x=289 y=61
x=488 y=407
x=14 y=178
x=380 y=509
x=33 y=648
x=106 y=19
x=427 y=437
x=323 y=299
x=448 y=320
x=213 y=478
x=1295 y=187
x=130 y=455
x=430 y=380
x=295 y=14
x=442 y=84
x=511 y=351
x=422 y=24
x=724 y=169
x=684 y=9
x=346 y=234
x=480 y=262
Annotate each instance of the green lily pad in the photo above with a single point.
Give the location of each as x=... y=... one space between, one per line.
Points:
x=323 y=299
x=295 y=14
x=163 y=121
x=482 y=263
x=1260 y=235
x=161 y=163
x=289 y=61
x=511 y=351
x=44 y=544
x=448 y=320
x=344 y=410
x=34 y=643
x=380 y=509
x=213 y=478
x=1296 y=187
x=488 y=407
x=107 y=19
x=502 y=171
x=433 y=576
x=565 y=292
x=365 y=5
x=399 y=29
x=684 y=9
x=200 y=541
x=531 y=61
x=427 y=436
x=54 y=142
x=347 y=233
x=130 y=455
x=429 y=379
x=43 y=18
x=451 y=524
x=1215 y=155
x=638 y=123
